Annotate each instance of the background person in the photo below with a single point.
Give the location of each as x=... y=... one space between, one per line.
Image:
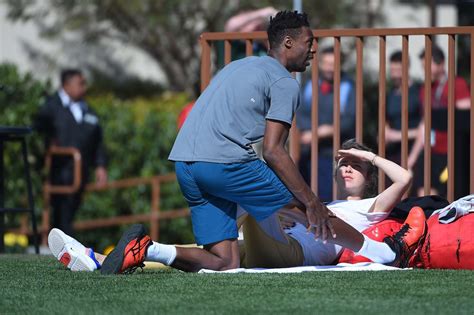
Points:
x=325 y=122
x=393 y=123
x=439 y=123
x=67 y=121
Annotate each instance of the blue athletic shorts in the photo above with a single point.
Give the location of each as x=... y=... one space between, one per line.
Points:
x=213 y=191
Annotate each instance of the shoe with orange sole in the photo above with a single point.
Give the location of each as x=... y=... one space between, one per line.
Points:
x=406 y=240
x=130 y=252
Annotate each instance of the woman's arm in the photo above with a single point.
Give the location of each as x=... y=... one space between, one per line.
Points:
x=401 y=179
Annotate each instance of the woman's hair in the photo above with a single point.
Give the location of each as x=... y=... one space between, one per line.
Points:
x=372 y=171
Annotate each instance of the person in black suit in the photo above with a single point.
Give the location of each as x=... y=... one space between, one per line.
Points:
x=67 y=121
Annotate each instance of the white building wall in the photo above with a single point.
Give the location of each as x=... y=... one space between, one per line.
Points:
x=16 y=37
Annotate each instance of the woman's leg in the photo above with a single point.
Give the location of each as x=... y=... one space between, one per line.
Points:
x=381 y=252
x=266 y=245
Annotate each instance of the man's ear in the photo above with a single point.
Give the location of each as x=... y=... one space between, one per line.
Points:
x=288 y=42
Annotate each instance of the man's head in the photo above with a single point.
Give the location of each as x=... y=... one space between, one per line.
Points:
x=290 y=36
x=355 y=177
x=326 y=63
x=437 y=62
x=73 y=83
x=396 y=68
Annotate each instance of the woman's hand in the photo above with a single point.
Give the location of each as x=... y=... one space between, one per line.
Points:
x=361 y=154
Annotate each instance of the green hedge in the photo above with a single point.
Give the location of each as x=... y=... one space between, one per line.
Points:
x=20 y=96
x=138 y=134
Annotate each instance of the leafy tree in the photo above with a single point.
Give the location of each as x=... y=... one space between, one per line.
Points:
x=166 y=30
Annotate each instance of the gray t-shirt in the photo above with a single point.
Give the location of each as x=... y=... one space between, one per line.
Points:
x=230 y=114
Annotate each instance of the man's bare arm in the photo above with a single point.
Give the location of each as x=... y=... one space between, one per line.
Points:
x=276 y=156
x=417 y=145
x=394 y=135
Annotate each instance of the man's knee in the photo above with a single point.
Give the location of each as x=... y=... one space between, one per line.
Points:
x=225 y=262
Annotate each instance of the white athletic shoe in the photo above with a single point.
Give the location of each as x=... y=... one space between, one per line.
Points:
x=70 y=252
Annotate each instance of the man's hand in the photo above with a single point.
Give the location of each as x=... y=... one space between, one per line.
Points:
x=101 y=176
x=276 y=156
x=318 y=218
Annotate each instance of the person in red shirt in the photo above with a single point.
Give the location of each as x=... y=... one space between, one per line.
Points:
x=183 y=114
x=439 y=122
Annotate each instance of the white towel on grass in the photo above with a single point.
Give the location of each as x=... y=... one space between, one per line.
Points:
x=363 y=266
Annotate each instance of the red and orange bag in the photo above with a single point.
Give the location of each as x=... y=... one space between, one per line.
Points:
x=448 y=246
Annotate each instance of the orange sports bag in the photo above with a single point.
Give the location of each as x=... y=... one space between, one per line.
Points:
x=448 y=246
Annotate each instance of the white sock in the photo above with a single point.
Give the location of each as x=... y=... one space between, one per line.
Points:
x=378 y=252
x=162 y=253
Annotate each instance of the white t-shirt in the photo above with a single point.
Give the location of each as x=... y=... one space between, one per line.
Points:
x=354 y=212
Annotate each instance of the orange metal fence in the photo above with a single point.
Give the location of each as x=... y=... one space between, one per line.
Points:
x=360 y=35
x=153 y=217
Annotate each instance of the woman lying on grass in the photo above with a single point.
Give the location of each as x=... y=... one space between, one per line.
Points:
x=267 y=244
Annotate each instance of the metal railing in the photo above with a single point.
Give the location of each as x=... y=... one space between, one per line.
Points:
x=360 y=35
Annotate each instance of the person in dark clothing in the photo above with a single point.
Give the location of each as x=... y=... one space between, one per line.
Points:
x=67 y=121
x=325 y=122
x=439 y=125
x=393 y=122
x=393 y=125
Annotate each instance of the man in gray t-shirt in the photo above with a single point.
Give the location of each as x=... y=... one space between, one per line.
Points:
x=231 y=113
x=216 y=167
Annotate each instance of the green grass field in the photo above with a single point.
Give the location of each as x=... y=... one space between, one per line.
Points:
x=32 y=284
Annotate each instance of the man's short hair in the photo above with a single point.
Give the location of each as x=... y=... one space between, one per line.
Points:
x=396 y=56
x=67 y=74
x=437 y=54
x=285 y=23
